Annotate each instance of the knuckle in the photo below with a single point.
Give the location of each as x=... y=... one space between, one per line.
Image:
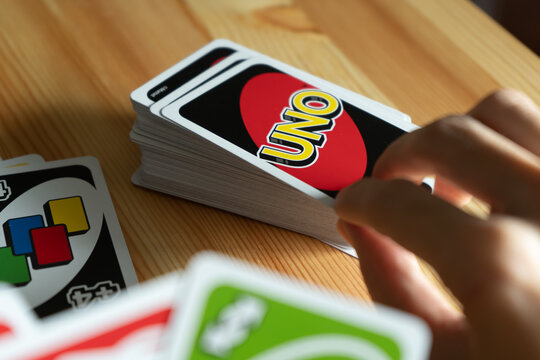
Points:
x=502 y=246
x=484 y=271
x=497 y=234
x=494 y=237
x=506 y=98
x=454 y=127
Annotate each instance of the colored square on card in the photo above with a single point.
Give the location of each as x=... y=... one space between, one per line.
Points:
x=68 y=211
x=13 y=268
x=17 y=233
x=51 y=246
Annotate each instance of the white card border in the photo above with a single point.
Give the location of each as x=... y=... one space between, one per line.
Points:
x=139 y=95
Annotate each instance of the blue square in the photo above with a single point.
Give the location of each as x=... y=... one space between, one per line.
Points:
x=17 y=233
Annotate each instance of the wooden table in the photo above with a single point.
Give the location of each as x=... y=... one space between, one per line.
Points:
x=67 y=69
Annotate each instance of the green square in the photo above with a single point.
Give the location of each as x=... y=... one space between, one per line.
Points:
x=13 y=269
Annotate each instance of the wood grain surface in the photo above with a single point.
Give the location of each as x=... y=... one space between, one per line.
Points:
x=67 y=68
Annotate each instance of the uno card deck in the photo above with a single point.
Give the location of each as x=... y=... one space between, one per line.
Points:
x=261 y=139
x=62 y=245
x=235 y=311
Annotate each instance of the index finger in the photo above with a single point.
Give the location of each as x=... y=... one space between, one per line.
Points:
x=472 y=156
x=426 y=225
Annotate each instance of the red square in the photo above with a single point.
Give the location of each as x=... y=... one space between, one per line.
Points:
x=51 y=246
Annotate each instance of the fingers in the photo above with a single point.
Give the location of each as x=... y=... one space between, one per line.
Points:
x=493 y=154
x=469 y=156
x=394 y=278
x=512 y=114
x=424 y=224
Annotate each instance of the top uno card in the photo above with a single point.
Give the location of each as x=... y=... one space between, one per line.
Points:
x=60 y=241
x=186 y=70
x=289 y=124
x=236 y=311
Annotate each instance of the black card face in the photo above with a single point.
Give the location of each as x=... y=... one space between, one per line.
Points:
x=57 y=245
x=164 y=88
x=307 y=132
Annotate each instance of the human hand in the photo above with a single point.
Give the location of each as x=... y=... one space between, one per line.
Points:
x=491 y=265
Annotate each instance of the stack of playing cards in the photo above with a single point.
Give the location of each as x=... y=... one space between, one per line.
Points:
x=234 y=129
x=218 y=309
x=61 y=244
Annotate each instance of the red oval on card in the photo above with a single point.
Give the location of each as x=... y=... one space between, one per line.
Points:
x=342 y=159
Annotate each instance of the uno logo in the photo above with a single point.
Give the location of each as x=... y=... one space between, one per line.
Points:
x=303 y=131
x=311 y=112
x=46 y=246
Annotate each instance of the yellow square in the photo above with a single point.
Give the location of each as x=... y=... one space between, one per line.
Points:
x=70 y=212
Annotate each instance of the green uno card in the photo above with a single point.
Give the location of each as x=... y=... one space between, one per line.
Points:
x=235 y=311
